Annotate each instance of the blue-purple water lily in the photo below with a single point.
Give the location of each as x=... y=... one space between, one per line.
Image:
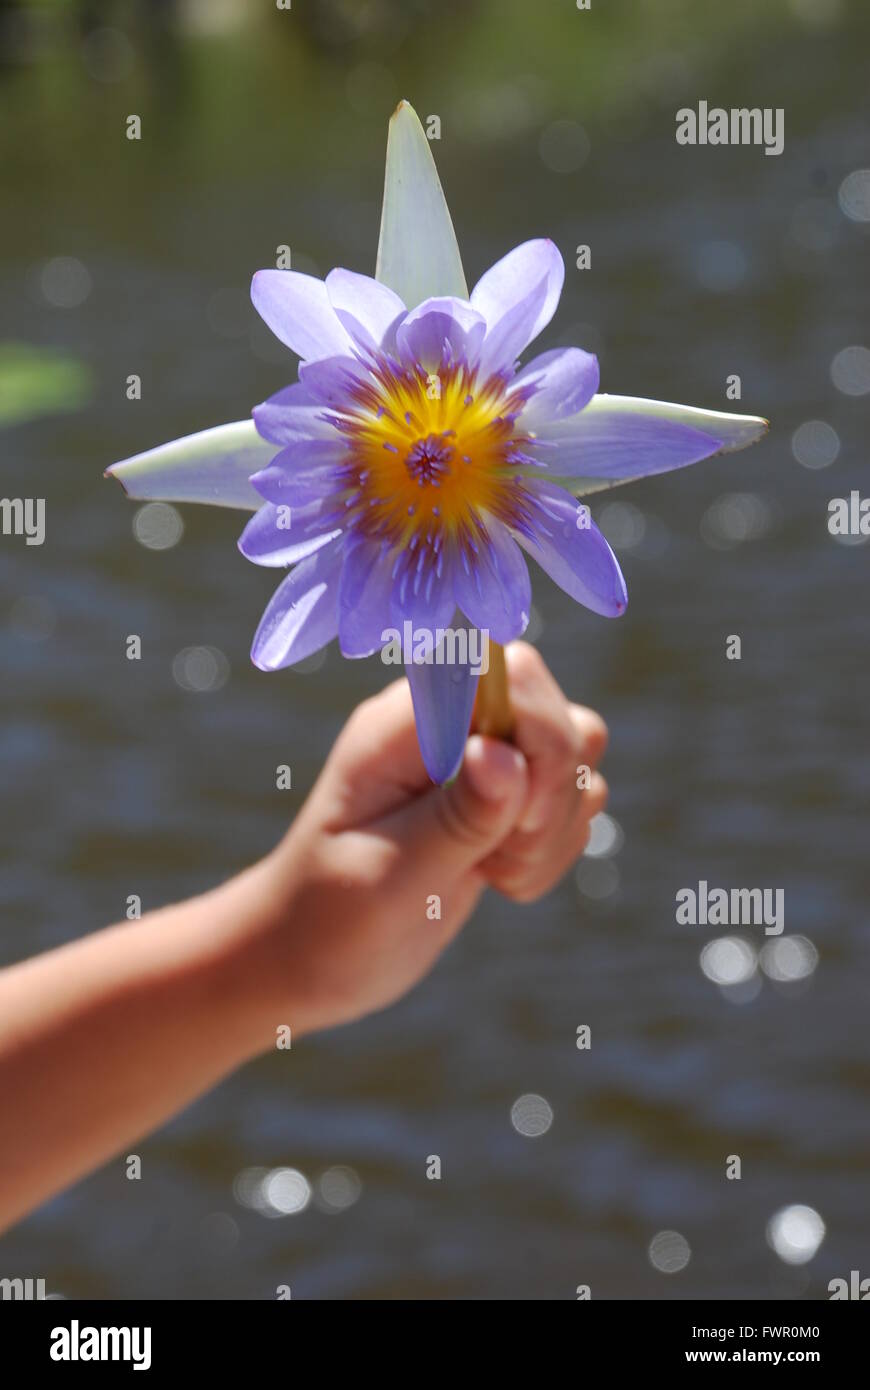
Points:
x=412 y=464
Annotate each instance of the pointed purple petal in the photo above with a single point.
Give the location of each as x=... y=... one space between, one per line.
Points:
x=302 y=472
x=504 y=343
x=281 y=535
x=576 y=557
x=497 y=594
x=421 y=336
x=620 y=437
x=565 y=380
x=297 y=309
x=331 y=380
x=443 y=699
x=302 y=615
x=292 y=414
x=502 y=294
x=422 y=597
x=364 y=597
x=365 y=307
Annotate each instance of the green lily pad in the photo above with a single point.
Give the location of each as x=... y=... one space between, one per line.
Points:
x=39 y=381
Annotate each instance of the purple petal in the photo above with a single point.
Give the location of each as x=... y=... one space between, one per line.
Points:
x=565 y=380
x=503 y=294
x=497 y=594
x=364 y=597
x=302 y=472
x=626 y=437
x=421 y=336
x=505 y=342
x=331 y=380
x=302 y=614
x=292 y=414
x=576 y=557
x=297 y=309
x=420 y=595
x=443 y=699
x=365 y=307
x=281 y=535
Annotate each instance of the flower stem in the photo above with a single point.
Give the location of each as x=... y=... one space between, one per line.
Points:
x=492 y=710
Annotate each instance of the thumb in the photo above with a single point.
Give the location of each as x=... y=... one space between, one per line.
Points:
x=452 y=828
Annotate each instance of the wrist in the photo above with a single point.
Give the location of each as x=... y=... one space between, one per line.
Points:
x=256 y=976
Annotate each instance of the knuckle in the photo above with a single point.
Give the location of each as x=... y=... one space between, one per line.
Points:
x=509 y=888
x=563 y=745
x=560 y=741
x=520 y=887
x=360 y=862
x=557 y=749
x=528 y=892
x=591 y=730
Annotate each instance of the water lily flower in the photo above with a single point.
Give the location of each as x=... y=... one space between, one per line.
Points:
x=414 y=464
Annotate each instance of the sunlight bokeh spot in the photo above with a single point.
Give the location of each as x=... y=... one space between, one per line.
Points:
x=338 y=1188
x=789 y=958
x=158 y=526
x=815 y=444
x=850 y=370
x=200 y=670
x=605 y=837
x=65 y=282
x=669 y=1252
x=795 y=1234
x=531 y=1116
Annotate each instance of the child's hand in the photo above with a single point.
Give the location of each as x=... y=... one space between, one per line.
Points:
x=381 y=869
x=376 y=876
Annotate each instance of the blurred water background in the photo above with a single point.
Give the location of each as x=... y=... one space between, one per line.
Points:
x=157 y=777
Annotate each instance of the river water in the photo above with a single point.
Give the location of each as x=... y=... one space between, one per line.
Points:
x=116 y=779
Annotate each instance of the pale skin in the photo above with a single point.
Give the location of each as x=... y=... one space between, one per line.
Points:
x=102 y=1040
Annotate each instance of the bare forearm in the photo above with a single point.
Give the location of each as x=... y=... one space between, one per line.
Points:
x=104 y=1039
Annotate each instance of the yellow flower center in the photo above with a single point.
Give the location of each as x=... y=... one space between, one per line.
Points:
x=431 y=454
